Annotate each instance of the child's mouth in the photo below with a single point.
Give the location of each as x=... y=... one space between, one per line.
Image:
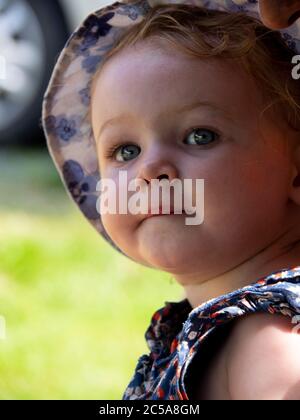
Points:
x=159 y=212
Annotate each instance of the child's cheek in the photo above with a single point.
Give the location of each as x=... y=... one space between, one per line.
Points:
x=245 y=193
x=117 y=219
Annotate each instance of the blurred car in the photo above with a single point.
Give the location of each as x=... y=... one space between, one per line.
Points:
x=32 y=33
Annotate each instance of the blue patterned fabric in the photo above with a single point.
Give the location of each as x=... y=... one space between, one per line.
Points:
x=177 y=332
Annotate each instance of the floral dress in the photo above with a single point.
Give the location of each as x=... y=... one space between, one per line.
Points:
x=178 y=334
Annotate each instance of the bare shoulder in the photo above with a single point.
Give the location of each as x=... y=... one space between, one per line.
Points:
x=262 y=358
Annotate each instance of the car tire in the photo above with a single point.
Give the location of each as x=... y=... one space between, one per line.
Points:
x=27 y=128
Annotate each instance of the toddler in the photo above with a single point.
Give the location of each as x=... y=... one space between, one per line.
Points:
x=186 y=92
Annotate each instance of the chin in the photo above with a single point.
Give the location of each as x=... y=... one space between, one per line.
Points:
x=166 y=261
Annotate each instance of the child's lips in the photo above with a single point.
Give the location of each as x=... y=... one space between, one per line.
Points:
x=159 y=212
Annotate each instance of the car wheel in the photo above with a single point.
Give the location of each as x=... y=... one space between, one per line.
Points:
x=32 y=33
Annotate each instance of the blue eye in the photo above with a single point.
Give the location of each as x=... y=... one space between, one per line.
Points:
x=127 y=152
x=203 y=136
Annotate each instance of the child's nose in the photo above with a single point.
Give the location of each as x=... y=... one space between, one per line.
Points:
x=158 y=170
x=279 y=14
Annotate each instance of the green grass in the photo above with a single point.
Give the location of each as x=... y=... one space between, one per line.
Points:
x=75 y=309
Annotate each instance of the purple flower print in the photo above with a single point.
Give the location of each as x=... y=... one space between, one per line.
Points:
x=63 y=127
x=289 y=40
x=92 y=29
x=133 y=11
x=85 y=96
x=82 y=188
x=90 y=63
x=66 y=129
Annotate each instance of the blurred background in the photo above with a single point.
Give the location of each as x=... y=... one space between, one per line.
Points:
x=74 y=310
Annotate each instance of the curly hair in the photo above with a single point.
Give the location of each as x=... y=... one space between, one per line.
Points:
x=203 y=33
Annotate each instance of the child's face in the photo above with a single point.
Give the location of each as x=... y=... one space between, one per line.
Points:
x=247 y=171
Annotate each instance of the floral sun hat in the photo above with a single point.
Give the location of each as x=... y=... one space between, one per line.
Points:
x=65 y=116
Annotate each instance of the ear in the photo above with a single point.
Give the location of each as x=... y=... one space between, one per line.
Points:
x=295 y=180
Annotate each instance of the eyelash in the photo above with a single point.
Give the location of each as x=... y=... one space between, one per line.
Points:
x=111 y=151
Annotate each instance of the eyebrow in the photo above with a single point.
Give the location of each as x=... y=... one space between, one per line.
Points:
x=114 y=120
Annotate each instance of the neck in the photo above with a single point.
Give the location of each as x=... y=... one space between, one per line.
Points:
x=284 y=252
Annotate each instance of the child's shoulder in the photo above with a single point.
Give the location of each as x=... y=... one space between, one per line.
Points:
x=263 y=358
x=260 y=360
